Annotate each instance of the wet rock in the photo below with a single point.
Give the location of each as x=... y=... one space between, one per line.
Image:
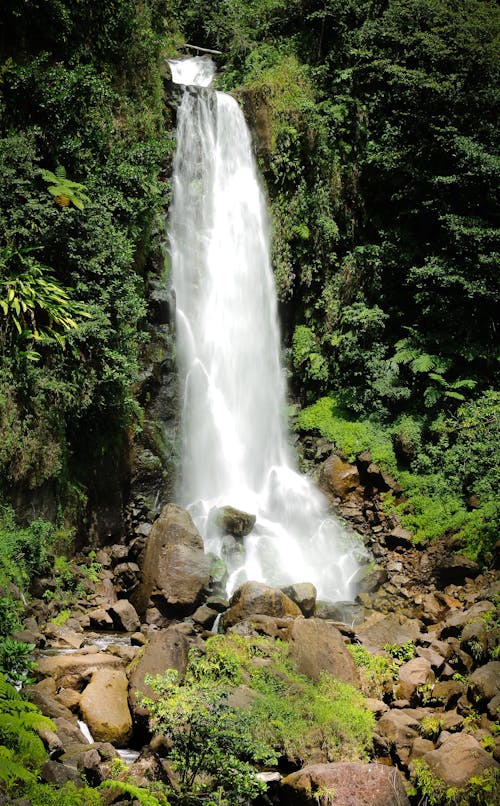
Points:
x=342 y=612
x=316 y=646
x=125 y=616
x=304 y=595
x=68 y=731
x=411 y=676
x=352 y=782
x=104 y=707
x=175 y=568
x=459 y=758
x=256 y=598
x=339 y=477
x=234 y=521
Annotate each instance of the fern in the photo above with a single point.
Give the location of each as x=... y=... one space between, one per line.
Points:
x=19 y=721
x=10 y=770
x=144 y=796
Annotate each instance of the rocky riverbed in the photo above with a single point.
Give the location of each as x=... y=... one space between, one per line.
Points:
x=431 y=611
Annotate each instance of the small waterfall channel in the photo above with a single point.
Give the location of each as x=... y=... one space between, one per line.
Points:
x=235 y=440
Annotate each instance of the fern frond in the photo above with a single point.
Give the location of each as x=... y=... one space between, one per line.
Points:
x=423 y=362
x=11 y=770
x=144 y=796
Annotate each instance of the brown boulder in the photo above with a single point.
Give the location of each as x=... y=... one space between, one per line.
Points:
x=304 y=595
x=401 y=730
x=345 y=783
x=459 y=758
x=256 y=598
x=234 y=521
x=317 y=646
x=167 y=649
x=484 y=683
x=78 y=664
x=125 y=616
x=175 y=569
x=339 y=477
x=412 y=675
x=379 y=630
x=104 y=707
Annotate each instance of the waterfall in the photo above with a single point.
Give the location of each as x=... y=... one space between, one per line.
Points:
x=235 y=442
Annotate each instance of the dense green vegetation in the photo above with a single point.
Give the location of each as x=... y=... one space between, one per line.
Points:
x=242 y=702
x=380 y=162
x=83 y=147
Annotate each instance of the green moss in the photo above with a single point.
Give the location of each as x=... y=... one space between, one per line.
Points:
x=289 y=712
x=377 y=673
x=351 y=436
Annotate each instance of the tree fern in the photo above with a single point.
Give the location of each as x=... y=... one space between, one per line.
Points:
x=19 y=722
x=10 y=769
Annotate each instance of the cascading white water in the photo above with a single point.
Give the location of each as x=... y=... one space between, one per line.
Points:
x=235 y=449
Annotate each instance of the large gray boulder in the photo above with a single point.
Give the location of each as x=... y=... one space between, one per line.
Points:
x=175 y=569
x=104 y=707
x=345 y=783
x=317 y=646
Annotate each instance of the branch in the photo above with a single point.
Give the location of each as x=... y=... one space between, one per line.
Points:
x=205 y=50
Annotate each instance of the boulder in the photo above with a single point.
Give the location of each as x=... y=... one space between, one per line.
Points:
x=53 y=772
x=398 y=539
x=401 y=730
x=175 y=569
x=484 y=683
x=349 y=783
x=339 y=477
x=100 y=619
x=417 y=672
x=125 y=616
x=262 y=625
x=104 y=707
x=234 y=521
x=458 y=759
x=304 y=595
x=205 y=616
x=454 y=570
x=317 y=646
x=166 y=649
x=77 y=664
x=256 y=598
x=379 y=630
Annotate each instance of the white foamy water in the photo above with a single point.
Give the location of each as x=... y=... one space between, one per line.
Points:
x=235 y=441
